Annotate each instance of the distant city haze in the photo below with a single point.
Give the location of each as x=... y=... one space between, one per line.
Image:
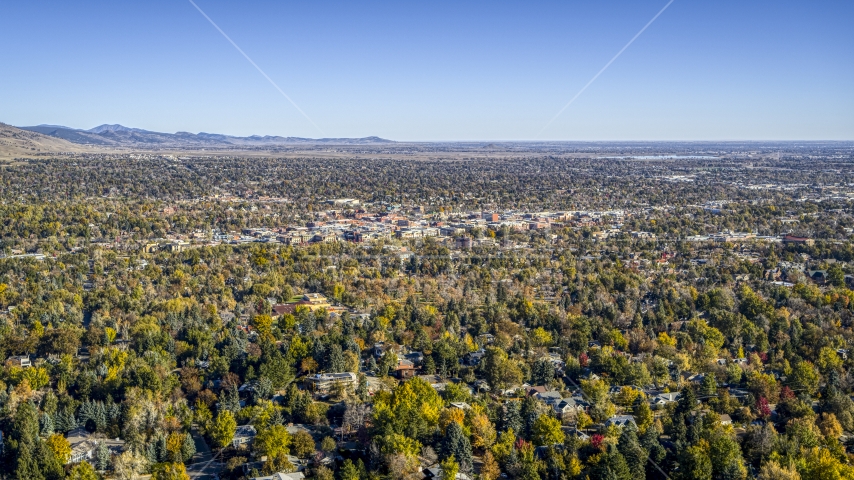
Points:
x=429 y=71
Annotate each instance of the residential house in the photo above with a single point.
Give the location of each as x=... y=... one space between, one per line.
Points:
x=282 y=476
x=664 y=398
x=566 y=408
x=620 y=420
x=244 y=435
x=436 y=472
x=405 y=369
x=22 y=361
x=323 y=382
x=549 y=398
x=83 y=444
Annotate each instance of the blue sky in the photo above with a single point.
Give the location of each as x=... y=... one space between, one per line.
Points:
x=440 y=70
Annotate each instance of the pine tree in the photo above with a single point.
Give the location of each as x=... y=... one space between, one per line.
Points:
x=529 y=412
x=678 y=431
x=27 y=467
x=649 y=442
x=618 y=465
x=687 y=400
x=512 y=417
x=50 y=465
x=264 y=389
x=161 y=452
x=277 y=418
x=457 y=444
x=188 y=448
x=542 y=372
x=100 y=417
x=46 y=422
x=150 y=452
x=362 y=389
x=335 y=359
x=633 y=452
x=230 y=400
x=102 y=456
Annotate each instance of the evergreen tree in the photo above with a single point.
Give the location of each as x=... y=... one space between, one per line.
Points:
x=230 y=400
x=687 y=400
x=335 y=360
x=362 y=389
x=264 y=389
x=633 y=452
x=188 y=448
x=27 y=467
x=150 y=452
x=50 y=466
x=678 y=430
x=529 y=412
x=649 y=442
x=618 y=465
x=46 y=422
x=542 y=372
x=457 y=444
x=710 y=385
x=102 y=456
x=695 y=429
x=277 y=418
x=512 y=417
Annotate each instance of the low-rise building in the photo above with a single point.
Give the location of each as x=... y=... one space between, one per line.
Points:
x=244 y=435
x=22 y=361
x=324 y=382
x=620 y=420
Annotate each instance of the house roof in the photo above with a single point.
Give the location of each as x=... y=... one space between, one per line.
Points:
x=245 y=431
x=283 y=476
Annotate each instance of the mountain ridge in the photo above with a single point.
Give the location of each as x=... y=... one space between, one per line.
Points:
x=19 y=143
x=121 y=136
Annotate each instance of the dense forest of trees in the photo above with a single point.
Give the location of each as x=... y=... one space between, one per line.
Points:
x=168 y=349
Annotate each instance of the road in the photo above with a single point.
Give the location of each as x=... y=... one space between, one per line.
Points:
x=201 y=466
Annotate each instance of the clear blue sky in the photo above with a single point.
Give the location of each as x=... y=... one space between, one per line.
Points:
x=438 y=70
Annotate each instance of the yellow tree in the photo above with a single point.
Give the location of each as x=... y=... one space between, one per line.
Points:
x=450 y=468
x=449 y=416
x=169 y=471
x=223 y=428
x=547 y=431
x=83 y=471
x=60 y=446
x=273 y=441
x=489 y=470
x=174 y=443
x=482 y=431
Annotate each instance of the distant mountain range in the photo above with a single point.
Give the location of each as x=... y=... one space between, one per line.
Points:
x=17 y=143
x=121 y=136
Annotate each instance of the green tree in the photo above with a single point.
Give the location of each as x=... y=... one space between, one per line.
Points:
x=456 y=444
x=302 y=444
x=547 y=431
x=633 y=452
x=694 y=463
x=411 y=409
x=272 y=441
x=805 y=378
x=499 y=371
x=169 y=471
x=348 y=471
x=223 y=429
x=450 y=468
x=83 y=471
